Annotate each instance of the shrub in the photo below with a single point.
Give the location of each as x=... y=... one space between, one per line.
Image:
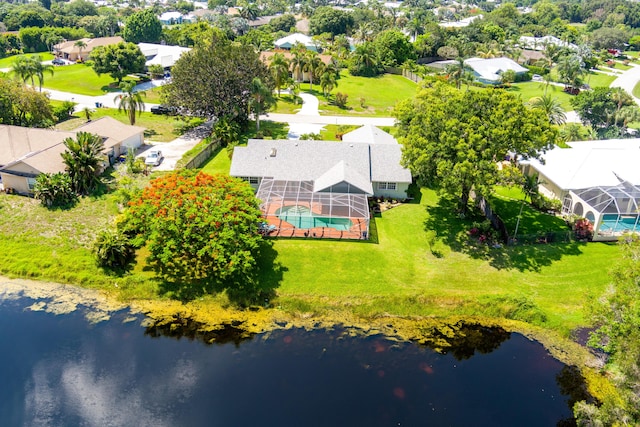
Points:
x=113 y=250
x=64 y=111
x=156 y=71
x=583 y=229
x=55 y=190
x=341 y=99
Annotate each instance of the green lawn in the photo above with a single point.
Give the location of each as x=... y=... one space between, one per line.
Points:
x=598 y=79
x=8 y=61
x=528 y=90
x=367 y=96
x=636 y=90
x=153 y=96
x=160 y=128
x=287 y=104
x=80 y=79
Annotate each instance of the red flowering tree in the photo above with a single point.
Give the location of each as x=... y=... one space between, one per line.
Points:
x=201 y=232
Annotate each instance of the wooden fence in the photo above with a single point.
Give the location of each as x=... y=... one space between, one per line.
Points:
x=203 y=155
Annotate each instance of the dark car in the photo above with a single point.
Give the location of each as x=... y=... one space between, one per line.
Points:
x=58 y=61
x=163 y=109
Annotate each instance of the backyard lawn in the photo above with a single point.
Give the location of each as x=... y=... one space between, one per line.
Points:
x=594 y=79
x=8 y=61
x=528 y=90
x=367 y=96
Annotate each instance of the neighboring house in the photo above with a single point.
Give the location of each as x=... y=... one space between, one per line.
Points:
x=461 y=23
x=159 y=54
x=261 y=21
x=68 y=49
x=296 y=38
x=170 y=18
x=489 y=70
x=321 y=188
x=598 y=180
x=530 y=57
x=25 y=153
x=540 y=43
x=302 y=76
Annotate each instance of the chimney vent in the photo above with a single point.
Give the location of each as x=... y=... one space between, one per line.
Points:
x=273 y=152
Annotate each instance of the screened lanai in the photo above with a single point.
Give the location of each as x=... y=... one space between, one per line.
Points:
x=612 y=210
x=294 y=209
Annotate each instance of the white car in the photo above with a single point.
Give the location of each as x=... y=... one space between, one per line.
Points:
x=154 y=158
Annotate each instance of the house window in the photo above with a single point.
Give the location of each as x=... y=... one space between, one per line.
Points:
x=253 y=180
x=386 y=186
x=31 y=182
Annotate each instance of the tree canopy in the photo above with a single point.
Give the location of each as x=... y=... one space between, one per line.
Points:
x=453 y=139
x=215 y=81
x=118 y=60
x=201 y=232
x=143 y=26
x=604 y=107
x=325 y=19
x=23 y=106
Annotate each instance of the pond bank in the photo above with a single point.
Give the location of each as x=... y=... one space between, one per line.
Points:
x=212 y=317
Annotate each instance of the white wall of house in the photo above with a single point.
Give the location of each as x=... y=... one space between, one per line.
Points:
x=132 y=142
x=18 y=184
x=396 y=190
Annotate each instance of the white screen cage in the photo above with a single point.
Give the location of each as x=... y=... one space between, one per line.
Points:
x=293 y=209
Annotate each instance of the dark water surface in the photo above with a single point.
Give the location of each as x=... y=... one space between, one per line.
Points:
x=62 y=371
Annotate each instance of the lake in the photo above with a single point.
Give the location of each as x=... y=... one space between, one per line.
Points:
x=63 y=371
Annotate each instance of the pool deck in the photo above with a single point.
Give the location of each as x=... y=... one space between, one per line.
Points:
x=286 y=229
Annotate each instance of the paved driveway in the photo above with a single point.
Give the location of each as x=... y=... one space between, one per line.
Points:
x=174 y=150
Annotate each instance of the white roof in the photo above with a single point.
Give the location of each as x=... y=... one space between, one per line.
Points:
x=342 y=173
x=160 y=54
x=370 y=134
x=539 y=43
x=461 y=23
x=167 y=16
x=591 y=164
x=294 y=38
x=491 y=68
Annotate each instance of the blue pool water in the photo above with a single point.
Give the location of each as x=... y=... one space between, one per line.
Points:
x=302 y=217
x=623 y=224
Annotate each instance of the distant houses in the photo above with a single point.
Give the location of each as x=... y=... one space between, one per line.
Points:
x=26 y=153
x=160 y=54
x=486 y=70
x=72 y=51
x=291 y=40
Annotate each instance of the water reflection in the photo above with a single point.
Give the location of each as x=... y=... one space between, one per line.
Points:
x=63 y=371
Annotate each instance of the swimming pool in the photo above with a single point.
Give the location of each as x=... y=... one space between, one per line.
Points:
x=611 y=223
x=302 y=217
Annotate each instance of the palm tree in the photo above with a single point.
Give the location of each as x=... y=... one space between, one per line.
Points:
x=551 y=108
x=457 y=71
x=312 y=63
x=40 y=68
x=249 y=11
x=570 y=70
x=298 y=62
x=83 y=159
x=279 y=70
x=80 y=44
x=23 y=69
x=129 y=101
x=328 y=80
x=261 y=99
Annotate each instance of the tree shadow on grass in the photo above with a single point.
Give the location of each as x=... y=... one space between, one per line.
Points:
x=452 y=230
x=258 y=288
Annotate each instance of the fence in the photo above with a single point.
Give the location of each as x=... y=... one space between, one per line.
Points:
x=563 y=236
x=496 y=221
x=203 y=155
x=404 y=73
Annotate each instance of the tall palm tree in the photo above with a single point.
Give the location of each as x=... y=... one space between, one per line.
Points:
x=80 y=44
x=83 y=159
x=551 y=107
x=23 y=69
x=129 y=101
x=298 y=62
x=328 y=81
x=457 y=71
x=312 y=63
x=39 y=69
x=261 y=99
x=249 y=11
x=279 y=70
x=570 y=70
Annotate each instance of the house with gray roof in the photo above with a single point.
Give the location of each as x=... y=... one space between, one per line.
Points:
x=322 y=187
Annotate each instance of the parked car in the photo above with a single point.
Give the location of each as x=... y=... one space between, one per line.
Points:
x=154 y=158
x=58 y=61
x=536 y=78
x=163 y=109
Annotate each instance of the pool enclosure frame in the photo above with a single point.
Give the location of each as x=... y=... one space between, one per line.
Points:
x=612 y=210
x=274 y=195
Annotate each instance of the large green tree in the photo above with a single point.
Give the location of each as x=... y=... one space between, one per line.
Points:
x=118 y=60
x=454 y=140
x=215 y=81
x=325 y=19
x=143 y=26
x=83 y=160
x=23 y=106
x=602 y=107
x=394 y=48
x=201 y=232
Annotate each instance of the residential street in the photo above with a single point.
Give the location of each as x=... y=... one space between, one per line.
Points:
x=628 y=81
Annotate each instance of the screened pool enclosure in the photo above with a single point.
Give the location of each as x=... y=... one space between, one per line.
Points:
x=294 y=209
x=612 y=210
